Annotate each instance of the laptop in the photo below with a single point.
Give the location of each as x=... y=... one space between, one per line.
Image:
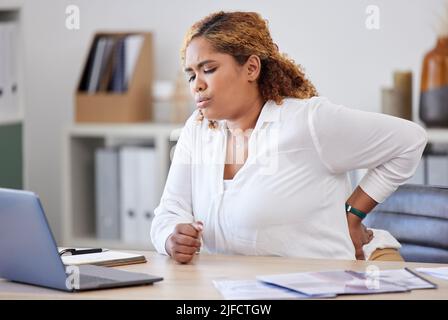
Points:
x=28 y=251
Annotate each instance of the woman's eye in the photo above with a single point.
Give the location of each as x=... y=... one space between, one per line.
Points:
x=191 y=78
x=210 y=70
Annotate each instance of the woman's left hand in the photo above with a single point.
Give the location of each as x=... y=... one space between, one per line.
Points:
x=360 y=235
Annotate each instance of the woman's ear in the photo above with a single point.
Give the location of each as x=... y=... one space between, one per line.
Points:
x=253 y=68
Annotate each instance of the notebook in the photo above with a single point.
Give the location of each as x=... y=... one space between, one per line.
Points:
x=107 y=258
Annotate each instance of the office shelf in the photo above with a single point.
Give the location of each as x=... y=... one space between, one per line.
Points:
x=80 y=143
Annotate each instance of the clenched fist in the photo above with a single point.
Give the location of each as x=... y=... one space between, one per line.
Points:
x=184 y=242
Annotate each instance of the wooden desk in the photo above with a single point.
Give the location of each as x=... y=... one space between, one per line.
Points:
x=194 y=280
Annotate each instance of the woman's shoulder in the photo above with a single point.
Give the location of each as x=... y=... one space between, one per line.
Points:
x=307 y=102
x=292 y=108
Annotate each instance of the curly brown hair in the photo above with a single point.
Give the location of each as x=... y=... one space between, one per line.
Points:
x=242 y=34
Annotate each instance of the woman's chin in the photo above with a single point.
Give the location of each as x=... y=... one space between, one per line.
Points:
x=210 y=114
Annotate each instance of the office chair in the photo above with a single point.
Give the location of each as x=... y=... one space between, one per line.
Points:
x=417 y=216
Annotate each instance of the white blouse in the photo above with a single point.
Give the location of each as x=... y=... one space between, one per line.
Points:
x=288 y=199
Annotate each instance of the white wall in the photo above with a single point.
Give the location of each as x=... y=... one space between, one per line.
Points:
x=348 y=63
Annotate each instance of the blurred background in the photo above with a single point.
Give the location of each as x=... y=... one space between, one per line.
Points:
x=65 y=135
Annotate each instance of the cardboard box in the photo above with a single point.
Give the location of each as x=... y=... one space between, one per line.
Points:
x=133 y=105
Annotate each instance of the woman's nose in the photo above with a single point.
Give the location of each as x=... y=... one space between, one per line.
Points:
x=200 y=85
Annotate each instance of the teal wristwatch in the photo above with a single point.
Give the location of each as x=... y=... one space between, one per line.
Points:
x=356 y=212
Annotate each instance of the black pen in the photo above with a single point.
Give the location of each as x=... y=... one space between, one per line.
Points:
x=81 y=251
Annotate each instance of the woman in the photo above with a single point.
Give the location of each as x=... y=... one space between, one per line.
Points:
x=261 y=167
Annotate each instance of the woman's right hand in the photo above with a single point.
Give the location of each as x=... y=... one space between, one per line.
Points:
x=184 y=242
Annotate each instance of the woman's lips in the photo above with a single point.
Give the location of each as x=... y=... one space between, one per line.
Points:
x=203 y=104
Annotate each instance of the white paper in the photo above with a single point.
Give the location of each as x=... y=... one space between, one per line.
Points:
x=253 y=290
x=404 y=278
x=440 y=272
x=132 y=47
x=332 y=282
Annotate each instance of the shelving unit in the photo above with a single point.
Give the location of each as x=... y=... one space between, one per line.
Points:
x=12 y=114
x=80 y=142
x=436 y=137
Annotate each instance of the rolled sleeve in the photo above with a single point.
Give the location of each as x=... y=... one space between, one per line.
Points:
x=347 y=139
